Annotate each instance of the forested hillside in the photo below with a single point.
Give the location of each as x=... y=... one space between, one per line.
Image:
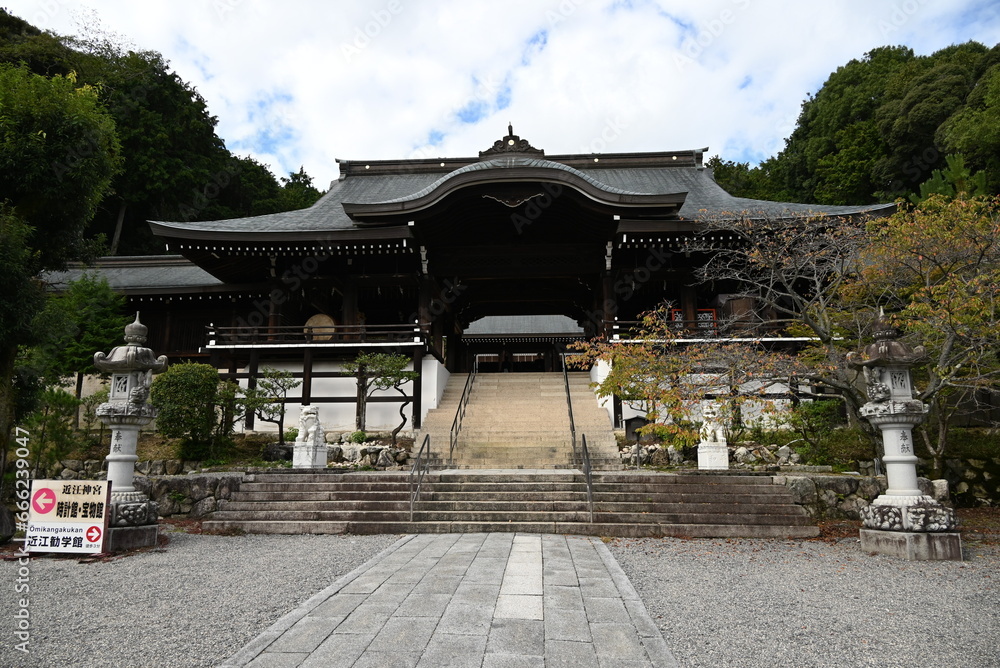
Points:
x=880 y=126
x=173 y=164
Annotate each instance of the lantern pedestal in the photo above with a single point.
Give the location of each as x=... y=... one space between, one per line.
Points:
x=133 y=516
x=903 y=522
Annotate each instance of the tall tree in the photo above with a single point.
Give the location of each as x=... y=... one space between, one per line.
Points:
x=84 y=318
x=880 y=125
x=794 y=269
x=936 y=269
x=297 y=191
x=58 y=154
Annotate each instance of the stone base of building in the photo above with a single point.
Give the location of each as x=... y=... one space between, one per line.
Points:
x=121 y=539
x=912 y=545
x=713 y=456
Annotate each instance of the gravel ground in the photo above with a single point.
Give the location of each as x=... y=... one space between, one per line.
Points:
x=194 y=603
x=751 y=602
x=718 y=603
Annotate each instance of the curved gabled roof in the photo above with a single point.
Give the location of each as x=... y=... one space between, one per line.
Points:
x=514 y=168
x=367 y=190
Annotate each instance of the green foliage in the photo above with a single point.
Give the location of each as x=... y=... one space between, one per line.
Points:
x=84 y=318
x=185 y=397
x=378 y=372
x=291 y=434
x=58 y=154
x=297 y=191
x=937 y=269
x=880 y=125
x=51 y=427
x=267 y=399
x=175 y=165
x=90 y=419
x=814 y=421
x=972 y=443
x=823 y=437
x=358 y=437
x=956 y=179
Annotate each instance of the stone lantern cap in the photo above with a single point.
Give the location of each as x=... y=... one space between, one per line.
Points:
x=886 y=350
x=132 y=356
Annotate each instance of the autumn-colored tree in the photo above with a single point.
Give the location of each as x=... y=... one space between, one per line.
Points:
x=793 y=269
x=936 y=269
x=653 y=371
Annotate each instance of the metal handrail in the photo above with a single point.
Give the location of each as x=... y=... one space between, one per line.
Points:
x=585 y=456
x=420 y=468
x=456 y=425
x=569 y=408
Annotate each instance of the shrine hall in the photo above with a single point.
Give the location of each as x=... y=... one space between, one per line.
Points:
x=496 y=262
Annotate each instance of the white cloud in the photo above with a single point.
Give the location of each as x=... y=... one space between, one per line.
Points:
x=304 y=82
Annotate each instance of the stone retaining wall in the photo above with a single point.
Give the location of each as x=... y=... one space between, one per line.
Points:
x=189 y=495
x=843 y=496
x=974 y=482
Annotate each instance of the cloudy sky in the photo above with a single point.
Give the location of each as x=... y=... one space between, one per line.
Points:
x=303 y=82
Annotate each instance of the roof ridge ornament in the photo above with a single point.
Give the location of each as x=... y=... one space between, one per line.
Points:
x=510 y=144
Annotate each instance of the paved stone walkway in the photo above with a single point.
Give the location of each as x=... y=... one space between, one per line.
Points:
x=483 y=600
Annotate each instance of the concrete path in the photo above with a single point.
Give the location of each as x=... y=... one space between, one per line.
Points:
x=483 y=600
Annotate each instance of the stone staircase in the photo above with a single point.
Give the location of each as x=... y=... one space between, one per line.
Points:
x=625 y=504
x=520 y=421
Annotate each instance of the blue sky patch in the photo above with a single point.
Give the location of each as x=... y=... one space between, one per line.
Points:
x=435 y=137
x=473 y=112
x=535 y=45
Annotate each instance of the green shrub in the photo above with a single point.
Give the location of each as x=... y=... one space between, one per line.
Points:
x=970 y=443
x=291 y=434
x=185 y=398
x=51 y=427
x=358 y=437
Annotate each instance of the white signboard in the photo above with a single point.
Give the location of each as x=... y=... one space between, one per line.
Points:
x=68 y=516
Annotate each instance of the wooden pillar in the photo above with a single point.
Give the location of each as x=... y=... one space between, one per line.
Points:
x=424 y=298
x=689 y=303
x=349 y=308
x=307 y=368
x=453 y=359
x=609 y=304
x=617 y=410
x=418 y=364
x=252 y=368
x=273 y=316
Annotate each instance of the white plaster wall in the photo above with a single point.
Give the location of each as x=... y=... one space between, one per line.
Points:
x=434 y=377
x=337 y=416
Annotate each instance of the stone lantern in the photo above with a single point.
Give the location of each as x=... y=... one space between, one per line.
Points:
x=902 y=522
x=133 y=516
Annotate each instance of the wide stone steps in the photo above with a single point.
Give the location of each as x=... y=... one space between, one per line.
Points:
x=596 y=529
x=520 y=421
x=625 y=504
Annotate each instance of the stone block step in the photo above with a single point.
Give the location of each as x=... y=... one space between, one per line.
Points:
x=233 y=506
x=597 y=529
x=273 y=527
x=293 y=495
x=614 y=530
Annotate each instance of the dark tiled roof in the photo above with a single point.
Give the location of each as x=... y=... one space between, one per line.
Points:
x=705 y=198
x=142 y=274
x=524 y=324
